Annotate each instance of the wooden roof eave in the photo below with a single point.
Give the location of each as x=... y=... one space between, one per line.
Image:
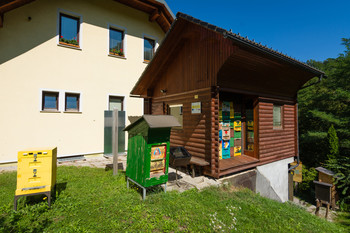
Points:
x=9 y=5
x=157 y=11
x=284 y=78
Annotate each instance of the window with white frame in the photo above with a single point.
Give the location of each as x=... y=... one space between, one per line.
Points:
x=50 y=101
x=72 y=102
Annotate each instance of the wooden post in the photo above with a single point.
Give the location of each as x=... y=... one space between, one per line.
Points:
x=290 y=187
x=318 y=205
x=327 y=210
x=115 y=141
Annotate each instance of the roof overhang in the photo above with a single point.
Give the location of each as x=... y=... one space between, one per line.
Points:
x=8 y=5
x=157 y=10
x=270 y=69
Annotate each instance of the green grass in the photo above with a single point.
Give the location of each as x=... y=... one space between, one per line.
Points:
x=92 y=200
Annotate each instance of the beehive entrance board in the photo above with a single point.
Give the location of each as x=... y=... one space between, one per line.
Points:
x=36 y=173
x=158 y=156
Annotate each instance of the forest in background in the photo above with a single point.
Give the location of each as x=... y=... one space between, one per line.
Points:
x=324 y=124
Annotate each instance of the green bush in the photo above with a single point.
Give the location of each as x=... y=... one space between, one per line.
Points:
x=306 y=189
x=341 y=167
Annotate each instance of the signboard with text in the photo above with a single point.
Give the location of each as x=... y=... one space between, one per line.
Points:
x=196 y=107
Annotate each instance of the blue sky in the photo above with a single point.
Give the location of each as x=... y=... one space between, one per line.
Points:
x=304 y=30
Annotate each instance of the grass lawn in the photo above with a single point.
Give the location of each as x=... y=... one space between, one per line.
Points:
x=92 y=200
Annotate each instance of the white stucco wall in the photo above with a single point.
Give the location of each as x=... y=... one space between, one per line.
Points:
x=31 y=61
x=272 y=180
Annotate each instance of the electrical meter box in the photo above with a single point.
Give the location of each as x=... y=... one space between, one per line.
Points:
x=36 y=172
x=148 y=149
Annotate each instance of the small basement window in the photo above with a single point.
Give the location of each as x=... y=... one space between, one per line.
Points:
x=72 y=102
x=49 y=101
x=69 y=30
x=176 y=111
x=277 y=116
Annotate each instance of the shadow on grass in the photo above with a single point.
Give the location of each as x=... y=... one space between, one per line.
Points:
x=110 y=167
x=149 y=190
x=35 y=199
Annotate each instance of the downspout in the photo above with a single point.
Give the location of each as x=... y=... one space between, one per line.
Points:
x=298 y=158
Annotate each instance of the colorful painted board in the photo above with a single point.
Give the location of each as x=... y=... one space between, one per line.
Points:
x=238 y=150
x=250 y=125
x=158 y=152
x=237 y=125
x=225 y=149
x=225 y=133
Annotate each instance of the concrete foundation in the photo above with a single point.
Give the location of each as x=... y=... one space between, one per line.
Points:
x=272 y=180
x=245 y=179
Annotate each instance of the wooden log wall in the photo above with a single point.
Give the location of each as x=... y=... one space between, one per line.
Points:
x=276 y=144
x=196 y=133
x=213 y=170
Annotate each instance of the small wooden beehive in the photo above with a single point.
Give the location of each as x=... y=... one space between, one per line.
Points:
x=148 y=149
x=327 y=176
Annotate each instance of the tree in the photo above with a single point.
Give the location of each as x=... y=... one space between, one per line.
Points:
x=323 y=105
x=324 y=121
x=333 y=143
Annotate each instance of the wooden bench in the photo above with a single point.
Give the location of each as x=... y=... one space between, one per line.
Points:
x=197 y=162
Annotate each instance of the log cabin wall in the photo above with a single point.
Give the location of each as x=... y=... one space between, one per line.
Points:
x=196 y=134
x=276 y=143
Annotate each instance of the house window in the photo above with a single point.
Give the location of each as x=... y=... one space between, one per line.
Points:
x=116 y=42
x=69 y=30
x=176 y=111
x=72 y=102
x=277 y=116
x=116 y=102
x=149 y=46
x=49 y=101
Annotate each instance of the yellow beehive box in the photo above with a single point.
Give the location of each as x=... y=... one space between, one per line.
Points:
x=36 y=171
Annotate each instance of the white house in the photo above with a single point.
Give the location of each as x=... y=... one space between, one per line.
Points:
x=62 y=63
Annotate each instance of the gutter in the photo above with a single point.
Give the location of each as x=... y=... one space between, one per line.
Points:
x=298 y=157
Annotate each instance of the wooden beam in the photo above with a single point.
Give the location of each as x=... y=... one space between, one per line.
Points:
x=155 y=14
x=164 y=23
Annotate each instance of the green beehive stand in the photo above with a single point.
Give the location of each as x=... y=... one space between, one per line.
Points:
x=148 y=150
